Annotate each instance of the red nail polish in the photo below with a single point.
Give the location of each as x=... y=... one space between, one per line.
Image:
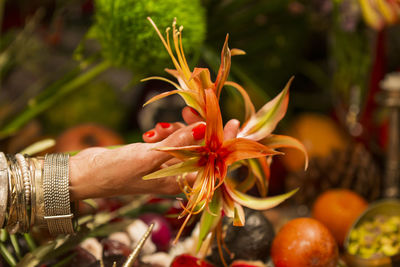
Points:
x=194 y=111
x=165 y=125
x=199 y=131
x=149 y=133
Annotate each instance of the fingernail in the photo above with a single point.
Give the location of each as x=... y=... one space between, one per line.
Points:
x=194 y=111
x=149 y=133
x=199 y=131
x=165 y=125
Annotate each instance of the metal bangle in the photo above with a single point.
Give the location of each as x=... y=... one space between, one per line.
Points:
x=56 y=194
x=13 y=223
x=39 y=193
x=3 y=188
x=25 y=175
x=32 y=170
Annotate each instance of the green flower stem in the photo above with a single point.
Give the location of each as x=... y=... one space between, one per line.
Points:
x=42 y=105
x=29 y=240
x=7 y=256
x=14 y=242
x=3 y=235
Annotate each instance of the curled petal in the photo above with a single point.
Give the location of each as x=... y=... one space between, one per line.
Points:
x=241 y=148
x=265 y=120
x=237 y=52
x=254 y=202
x=176 y=169
x=224 y=68
x=278 y=141
x=248 y=105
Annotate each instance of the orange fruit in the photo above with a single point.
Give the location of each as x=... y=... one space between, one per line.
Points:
x=304 y=242
x=318 y=133
x=338 y=209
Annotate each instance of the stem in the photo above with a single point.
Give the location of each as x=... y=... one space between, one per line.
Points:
x=7 y=255
x=29 y=240
x=3 y=235
x=37 y=108
x=14 y=242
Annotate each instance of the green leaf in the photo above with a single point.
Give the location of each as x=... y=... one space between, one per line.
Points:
x=210 y=218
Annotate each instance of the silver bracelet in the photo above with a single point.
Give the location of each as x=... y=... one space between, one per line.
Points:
x=25 y=176
x=56 y=194
x=3 y=188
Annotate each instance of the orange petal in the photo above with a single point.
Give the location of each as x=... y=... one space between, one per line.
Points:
x=224 y=68
x=248 y=105
x=278 y=141
x=265 y=120
x=214 y=131
x=241 y=148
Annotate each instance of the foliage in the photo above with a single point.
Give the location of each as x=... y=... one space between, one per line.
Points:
x=127 y=39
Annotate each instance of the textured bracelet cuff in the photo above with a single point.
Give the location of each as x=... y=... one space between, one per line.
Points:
x=56 y=194
x=3 y=188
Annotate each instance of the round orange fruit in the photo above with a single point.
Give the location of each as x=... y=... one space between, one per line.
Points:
x=304 y=242
x=338 y=209
x=319 y=134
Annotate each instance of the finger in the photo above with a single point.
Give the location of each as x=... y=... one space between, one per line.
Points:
x=190 y=115
x=231 y=129
x=161 y=131
x=164 y=129
x=186 y=136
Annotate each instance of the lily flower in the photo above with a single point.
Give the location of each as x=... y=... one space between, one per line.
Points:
x=215 y=191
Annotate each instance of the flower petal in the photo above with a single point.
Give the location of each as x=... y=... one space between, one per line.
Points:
x=237 y=52
x=191 y=99
x=214 y=130
x=224 y=68
x=248 y=105
x=182 y=153
x=238 y=217
x=176 y=169
x=254 y=202
x=241 y=148
x=265 y=120
x=278 y=141
x=259 y=167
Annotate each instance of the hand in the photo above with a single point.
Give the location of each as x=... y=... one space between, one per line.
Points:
x=102 y=172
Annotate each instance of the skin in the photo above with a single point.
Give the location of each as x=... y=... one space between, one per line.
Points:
x=101 y=172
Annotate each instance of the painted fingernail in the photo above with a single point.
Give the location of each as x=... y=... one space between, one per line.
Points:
x=149 y=133
x=165 y=125
x=194 y=111
x=199 y=131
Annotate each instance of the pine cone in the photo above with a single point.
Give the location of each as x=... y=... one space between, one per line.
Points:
x=353 y=168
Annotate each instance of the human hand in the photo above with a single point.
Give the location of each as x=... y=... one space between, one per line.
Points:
x=102 y=172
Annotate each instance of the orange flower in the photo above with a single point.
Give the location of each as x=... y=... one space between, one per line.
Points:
x=215 y=190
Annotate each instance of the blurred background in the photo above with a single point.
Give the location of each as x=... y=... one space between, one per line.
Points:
x=74 y=68
x=71 y=70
